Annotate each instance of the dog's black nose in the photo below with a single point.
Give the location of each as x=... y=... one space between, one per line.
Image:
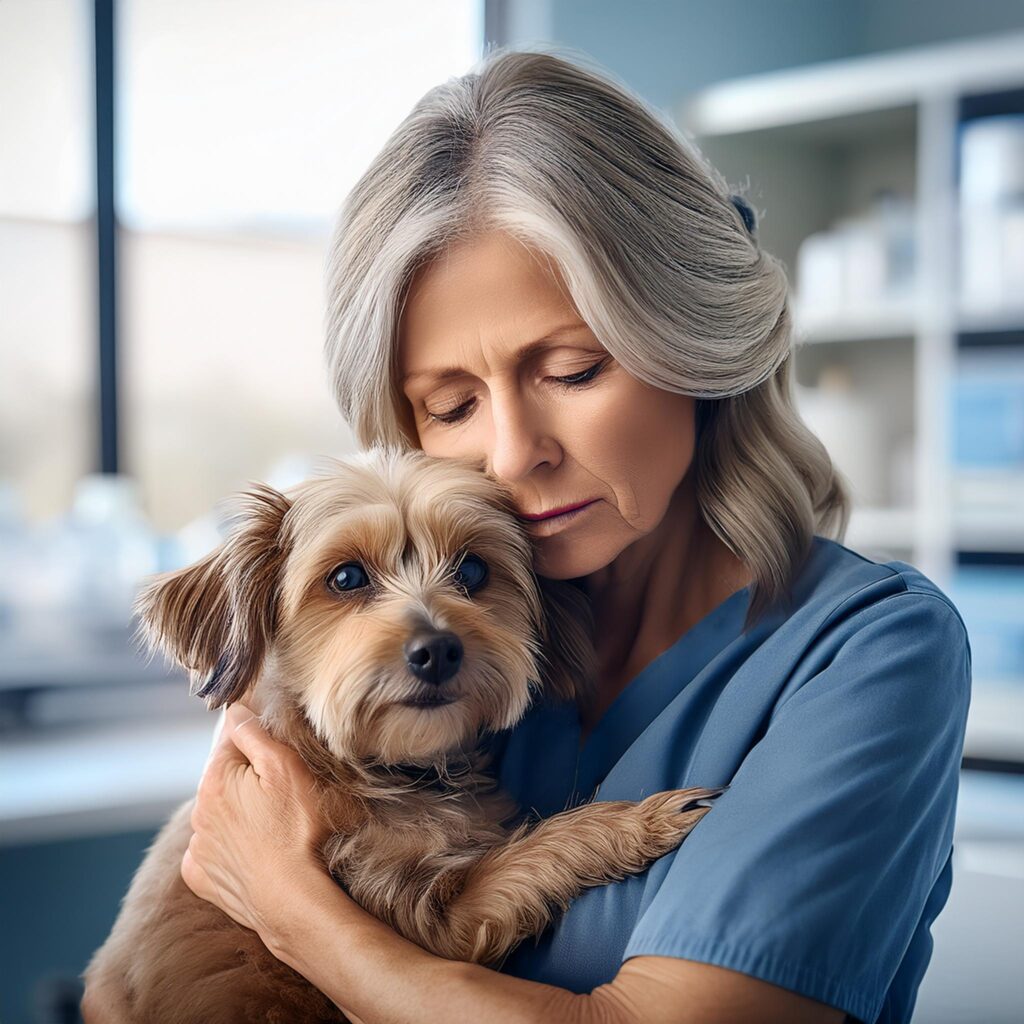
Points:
x=434 y=657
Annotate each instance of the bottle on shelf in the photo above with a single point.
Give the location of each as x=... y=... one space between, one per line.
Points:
x=992 y=214
x=851 y=429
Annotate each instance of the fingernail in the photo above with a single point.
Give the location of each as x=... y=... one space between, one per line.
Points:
x=240 y=714
x=708 y=800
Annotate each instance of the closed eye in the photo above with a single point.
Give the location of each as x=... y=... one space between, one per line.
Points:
x=573 y=380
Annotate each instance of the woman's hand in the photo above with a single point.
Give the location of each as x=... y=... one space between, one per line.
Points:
x=257 y=828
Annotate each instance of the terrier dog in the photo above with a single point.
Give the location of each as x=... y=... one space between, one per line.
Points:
x=383 y=618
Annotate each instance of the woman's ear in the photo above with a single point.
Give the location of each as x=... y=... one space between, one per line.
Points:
x=217 y=617
x=567 y=635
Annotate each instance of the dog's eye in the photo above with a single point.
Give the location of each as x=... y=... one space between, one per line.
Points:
x=471 y=573
x=350 y=576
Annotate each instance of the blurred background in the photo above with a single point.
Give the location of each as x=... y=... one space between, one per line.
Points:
x=169 y=173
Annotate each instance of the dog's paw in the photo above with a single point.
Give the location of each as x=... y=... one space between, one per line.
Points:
x=669 y=817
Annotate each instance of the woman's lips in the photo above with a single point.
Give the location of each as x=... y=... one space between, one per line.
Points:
x=556 y=511
x=553 y=524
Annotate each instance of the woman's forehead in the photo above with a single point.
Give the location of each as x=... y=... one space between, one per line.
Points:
x=490 y=295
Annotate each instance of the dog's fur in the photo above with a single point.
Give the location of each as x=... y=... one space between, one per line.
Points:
x=441 y=861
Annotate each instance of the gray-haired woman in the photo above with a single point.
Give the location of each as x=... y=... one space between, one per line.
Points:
x=539 y=271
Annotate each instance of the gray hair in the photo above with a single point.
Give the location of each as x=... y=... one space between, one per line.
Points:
x=658 y=256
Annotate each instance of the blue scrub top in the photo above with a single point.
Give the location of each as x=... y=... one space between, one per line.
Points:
x=838 y=724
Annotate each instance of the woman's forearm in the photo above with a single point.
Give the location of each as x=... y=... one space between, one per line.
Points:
x=371 y=972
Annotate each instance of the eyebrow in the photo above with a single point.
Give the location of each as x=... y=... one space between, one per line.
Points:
x=447 y=372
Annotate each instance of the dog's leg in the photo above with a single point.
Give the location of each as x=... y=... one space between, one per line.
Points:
x=512 y=891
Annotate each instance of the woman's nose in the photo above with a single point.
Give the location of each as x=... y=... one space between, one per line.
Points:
x=521 y=438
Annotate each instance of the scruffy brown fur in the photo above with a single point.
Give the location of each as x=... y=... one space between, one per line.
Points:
x=441 y=863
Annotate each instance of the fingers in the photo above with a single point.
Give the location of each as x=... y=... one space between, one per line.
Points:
x=194 y=876
x=252 y=743
x=236 y=714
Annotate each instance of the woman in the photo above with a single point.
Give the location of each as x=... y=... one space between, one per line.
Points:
x=539 y=271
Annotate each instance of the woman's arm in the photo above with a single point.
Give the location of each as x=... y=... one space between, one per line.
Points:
x=254 y=855
x=373 y=973
x=377 y=975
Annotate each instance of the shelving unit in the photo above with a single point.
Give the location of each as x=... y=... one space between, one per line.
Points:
x=809 y=146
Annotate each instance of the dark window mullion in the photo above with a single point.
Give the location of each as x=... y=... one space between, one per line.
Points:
x=106 y=238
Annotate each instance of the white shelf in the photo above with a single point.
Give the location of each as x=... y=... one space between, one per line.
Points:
x=93 y=779
x=882 y=320
x=881 y=528
x=995 y=722
x=988 y=509
x=1010 y=318
x=821 y=92
x=989 y=531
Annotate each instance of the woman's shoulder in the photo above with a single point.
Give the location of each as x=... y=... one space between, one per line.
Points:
x=852 y=621
x=871 y=629
x=837 y=582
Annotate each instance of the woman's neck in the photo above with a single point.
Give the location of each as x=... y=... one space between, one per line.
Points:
x=654 y=591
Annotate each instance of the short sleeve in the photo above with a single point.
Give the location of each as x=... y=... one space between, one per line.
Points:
x=813 y=870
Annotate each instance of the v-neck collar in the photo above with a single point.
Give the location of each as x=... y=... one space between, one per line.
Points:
x=649 y=692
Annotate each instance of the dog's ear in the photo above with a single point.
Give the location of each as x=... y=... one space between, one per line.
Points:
x=567 y=634
x=217 y=617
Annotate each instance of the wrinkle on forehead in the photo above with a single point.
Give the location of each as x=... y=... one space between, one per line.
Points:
x=478 y=305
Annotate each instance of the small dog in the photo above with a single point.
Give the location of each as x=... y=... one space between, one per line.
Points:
x=382 y=618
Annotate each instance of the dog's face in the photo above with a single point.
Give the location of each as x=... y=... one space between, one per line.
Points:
x=397 y=597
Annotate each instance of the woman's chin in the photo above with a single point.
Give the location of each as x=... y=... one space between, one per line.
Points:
x=556 y=558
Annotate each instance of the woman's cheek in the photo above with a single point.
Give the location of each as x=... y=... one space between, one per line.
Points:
x=639 y=441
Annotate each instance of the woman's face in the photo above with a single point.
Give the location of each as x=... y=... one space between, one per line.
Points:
x=486 y=332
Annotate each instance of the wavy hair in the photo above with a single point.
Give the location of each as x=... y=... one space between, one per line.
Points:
x=661 y=260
